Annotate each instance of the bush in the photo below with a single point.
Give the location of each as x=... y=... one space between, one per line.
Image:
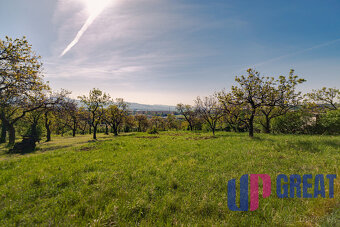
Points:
x=297 y=122
x=34 y=132
x=330 y=122
x=153 y=130
x=25 y=146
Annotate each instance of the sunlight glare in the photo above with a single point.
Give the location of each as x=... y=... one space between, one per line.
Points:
x=95 y=7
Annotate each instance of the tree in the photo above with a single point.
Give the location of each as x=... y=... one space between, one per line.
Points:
x=282 y=98
x=34 y=132
x=49 y=116
x=129 y=123
x=142 y=122
x=251 y=94
x=19 y=67
x=189 y=113
x=95 y=103
x=105 y=121
x=83 y=120
x=157 y=122
x=171 y=122
x=210 y=110
x=3 y=132
x=12 y=113
x=326 y=97
x=269 y=113
x=21 y=84
x=233 y=114
x=69 y=115
x=51 y=108
x=116 y=114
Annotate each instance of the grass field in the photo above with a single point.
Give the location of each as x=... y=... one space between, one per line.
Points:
x=165 y=179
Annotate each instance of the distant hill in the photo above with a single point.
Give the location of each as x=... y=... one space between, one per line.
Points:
x=145 y=107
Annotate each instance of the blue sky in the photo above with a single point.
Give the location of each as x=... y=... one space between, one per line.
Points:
x=170 y=51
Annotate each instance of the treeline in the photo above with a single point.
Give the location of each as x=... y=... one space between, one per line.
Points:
x=261 y=104
x=255 y=104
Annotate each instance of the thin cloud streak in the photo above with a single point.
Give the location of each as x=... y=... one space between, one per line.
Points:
x=87 y=24
x=296 y=53
x=80 y=33
x=300 y=51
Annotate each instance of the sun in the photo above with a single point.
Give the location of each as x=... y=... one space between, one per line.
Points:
x=95 y=7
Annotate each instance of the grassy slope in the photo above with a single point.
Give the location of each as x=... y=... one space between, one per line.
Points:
x=171 y=178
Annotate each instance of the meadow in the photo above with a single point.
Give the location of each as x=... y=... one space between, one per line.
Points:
x=170 y=178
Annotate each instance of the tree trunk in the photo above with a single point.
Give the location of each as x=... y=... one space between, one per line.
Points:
x=190 y=126
x=11 y=135
x=95 y=132
x=74 y=129
x=106 y=130
x=115 y=130
x=267 y=125
x=90 y=128
x=34 y=132
x=47 y=127
x=48 y=134
x=3 y=133
x=251 y=126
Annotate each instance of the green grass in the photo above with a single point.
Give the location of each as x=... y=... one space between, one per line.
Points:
x=166 y=179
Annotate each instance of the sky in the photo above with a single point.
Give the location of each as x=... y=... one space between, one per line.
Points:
x=171 y=51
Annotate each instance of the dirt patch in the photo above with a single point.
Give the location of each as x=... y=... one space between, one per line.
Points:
x=176 y=134
x=147 y=137
x=202 y=138
x=85 y=148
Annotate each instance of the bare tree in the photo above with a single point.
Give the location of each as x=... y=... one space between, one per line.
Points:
x=83 y=120
x=325 y=98
x=115 y=114
x=189 y=113
x=50 y=109
x=95 y=103
x=233 y=114
x=210 y=110
x=68 y=113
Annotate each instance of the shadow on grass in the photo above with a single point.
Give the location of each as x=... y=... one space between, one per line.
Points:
x=51 y=148
x=52 y=145
x=39 y=149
